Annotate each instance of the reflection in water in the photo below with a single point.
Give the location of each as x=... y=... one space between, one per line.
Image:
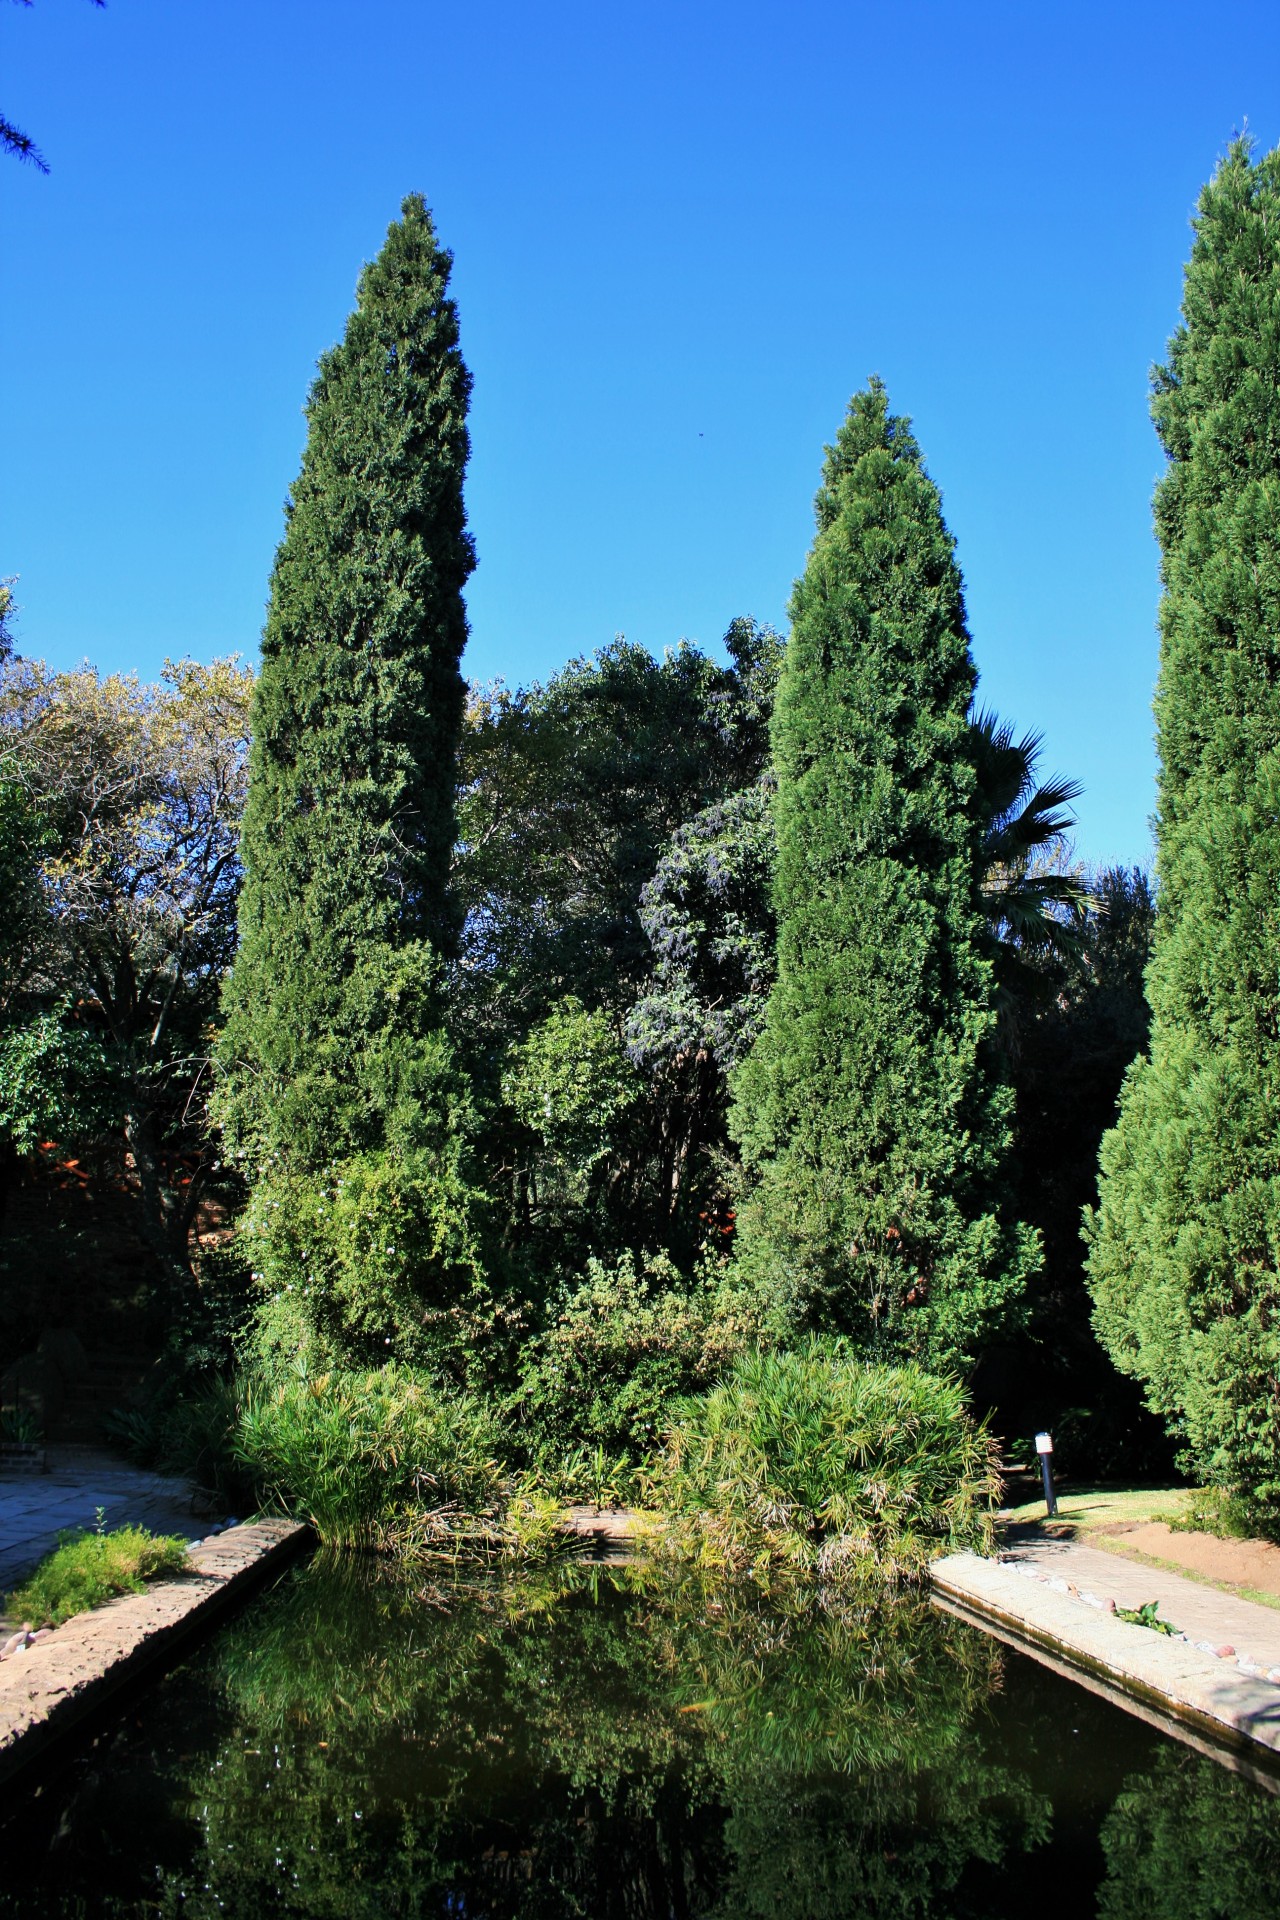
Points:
x=597 y=1744
x=1188 y=1841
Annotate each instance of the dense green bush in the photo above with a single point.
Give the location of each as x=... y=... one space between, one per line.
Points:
x=386 y=1461
x=815 y=1461
x=87 y=1568
x=621 y=1348
x=379 y=1253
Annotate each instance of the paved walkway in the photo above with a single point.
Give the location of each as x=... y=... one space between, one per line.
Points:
x=1247 y=1633
x=48 y=1687
x=36 y=1507
x=1220 y=1672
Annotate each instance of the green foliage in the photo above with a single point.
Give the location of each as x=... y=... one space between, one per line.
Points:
x=815 y=1461
x=1185 y=1247
x=113 y=953
x=1190 y=1840
x=340 y=1096
x=1146 y=1616
x=87 y=1569
x=20 y=1426
x=618 y=1350
x=571 y=793
x=58 y=1078
x=378 y=1254
x=867 y=1112
x=378 y=1460
x=55 y=1074
x=569 y=1083
x=707 y=916
x=1214 y=1510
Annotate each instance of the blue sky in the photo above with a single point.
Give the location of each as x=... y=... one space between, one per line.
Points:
x=683 y=234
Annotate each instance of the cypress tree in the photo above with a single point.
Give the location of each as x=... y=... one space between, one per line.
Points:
x=340 y=1095
x=867 y=1112
x=1185 y=1245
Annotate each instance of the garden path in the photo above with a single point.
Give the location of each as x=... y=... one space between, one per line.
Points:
x=36 y=1507
x=1241 y=1632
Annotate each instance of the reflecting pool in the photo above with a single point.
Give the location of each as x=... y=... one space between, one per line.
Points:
x=595 y=1743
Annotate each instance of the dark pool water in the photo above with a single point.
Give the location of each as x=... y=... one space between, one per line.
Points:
x=364 y=1744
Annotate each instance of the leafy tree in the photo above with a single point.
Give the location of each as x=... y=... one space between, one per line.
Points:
x=868 y=1110
x=1078 y=1027
x=123 y=805
x=338 y=1078
x=1185 y=1246
x=708 y=915
x=1032 y=903
x=570 y=793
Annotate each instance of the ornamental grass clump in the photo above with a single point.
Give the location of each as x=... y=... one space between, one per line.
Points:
x=86 y=1569
x=384 y=1461
x=815 y=1462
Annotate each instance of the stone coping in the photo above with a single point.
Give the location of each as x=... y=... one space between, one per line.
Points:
x=50 y=1687
x=1156 y=1676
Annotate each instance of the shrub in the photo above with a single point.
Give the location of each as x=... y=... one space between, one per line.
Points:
x=814 y=1461
x=87 y=1568
x=388 y=1462
x=624 y=1345
x=379 y=1253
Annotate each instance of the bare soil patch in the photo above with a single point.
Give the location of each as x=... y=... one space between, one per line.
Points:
x=1239 y=1563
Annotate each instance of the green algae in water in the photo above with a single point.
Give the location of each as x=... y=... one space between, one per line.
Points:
x=596 y=1743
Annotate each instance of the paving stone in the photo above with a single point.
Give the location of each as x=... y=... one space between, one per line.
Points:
x=35 y=1510
x=48 y=1687
x=1202 y=1681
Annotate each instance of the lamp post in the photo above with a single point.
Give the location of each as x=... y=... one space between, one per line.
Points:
x=1044 y=1447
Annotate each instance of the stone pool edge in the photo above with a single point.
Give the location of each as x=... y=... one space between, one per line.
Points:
x=49 y=1690
x=1170 y=1680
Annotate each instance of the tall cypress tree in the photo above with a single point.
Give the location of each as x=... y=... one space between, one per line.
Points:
x=339 y=1093
x=1186 y=1243
x=868 y=1111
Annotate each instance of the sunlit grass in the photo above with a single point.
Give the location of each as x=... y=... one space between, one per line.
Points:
x=89 y=1568
x=1084 y=1510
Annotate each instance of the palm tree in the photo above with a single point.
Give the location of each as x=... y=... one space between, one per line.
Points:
x=1034 y=903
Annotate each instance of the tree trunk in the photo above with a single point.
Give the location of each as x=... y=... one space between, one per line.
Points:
x=164 y=1227
x=8 y=1175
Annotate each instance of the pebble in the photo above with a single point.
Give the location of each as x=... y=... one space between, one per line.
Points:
x=1058 y=1585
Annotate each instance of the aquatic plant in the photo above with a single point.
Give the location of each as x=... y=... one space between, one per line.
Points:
x=814 y=1461
x=386 y=1461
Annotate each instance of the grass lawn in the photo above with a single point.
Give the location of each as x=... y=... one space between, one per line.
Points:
x=1082 y=1510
